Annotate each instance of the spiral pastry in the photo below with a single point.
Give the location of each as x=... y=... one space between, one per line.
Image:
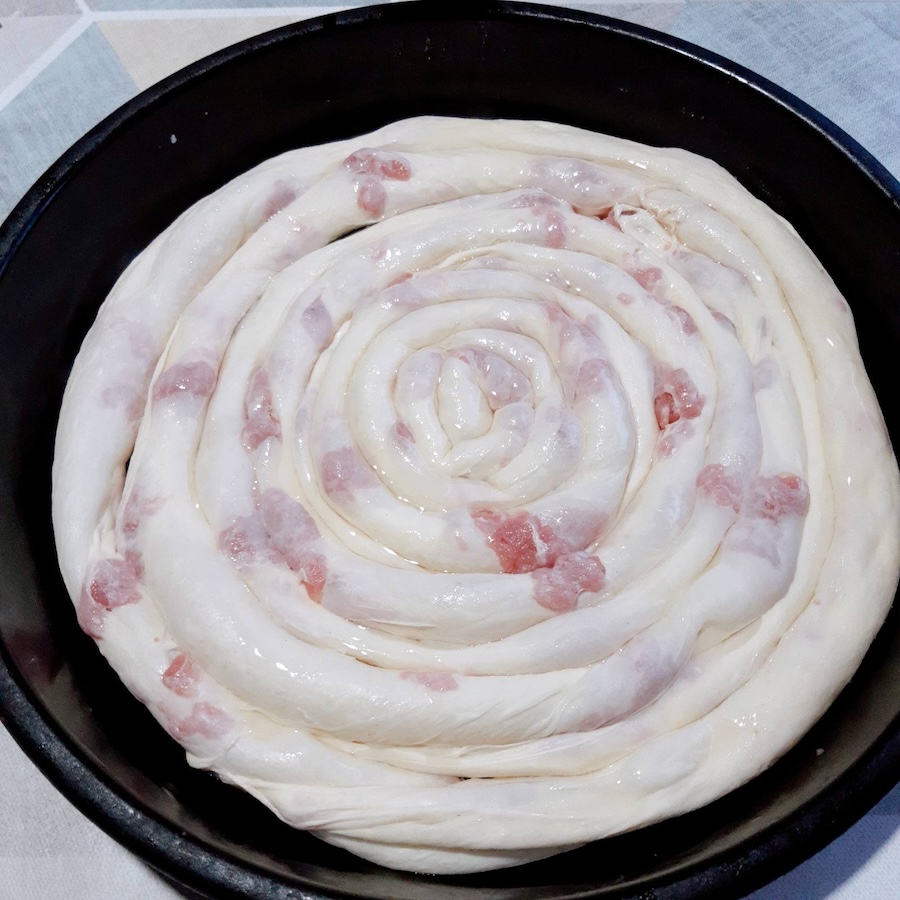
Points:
x=473 y=490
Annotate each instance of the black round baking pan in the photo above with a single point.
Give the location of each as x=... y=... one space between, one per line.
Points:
x=65 y=244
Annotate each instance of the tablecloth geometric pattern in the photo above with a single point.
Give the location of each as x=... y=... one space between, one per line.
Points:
x=66 y=64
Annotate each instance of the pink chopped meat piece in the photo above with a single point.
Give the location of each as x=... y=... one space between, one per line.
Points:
x=676 y=397
x=205 y=720
x=291 y=533
x=371 y=197
x=181 y=676
x=673 y=437
x=775 y=497
x=684 y=319
x=521 y=542
x=196 y=379
x=724 y=489
x=245 y=541
x=553 y=224
x=594 y=376
x=262 y=421
x=401 y=432
x=343 y=473
x=557 y=587
x=648 y=277
x=318 y=324
x=113 y=583
x=379 y=163
x=281 y=195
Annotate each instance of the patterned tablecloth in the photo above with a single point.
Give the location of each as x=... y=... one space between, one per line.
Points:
x=65 y=64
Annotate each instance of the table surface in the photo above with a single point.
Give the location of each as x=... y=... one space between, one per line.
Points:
x=65 y=64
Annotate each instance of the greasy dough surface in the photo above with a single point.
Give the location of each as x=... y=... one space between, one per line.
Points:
x=472 y=490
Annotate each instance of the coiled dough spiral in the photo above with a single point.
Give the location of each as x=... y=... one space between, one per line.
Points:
x=472 y=490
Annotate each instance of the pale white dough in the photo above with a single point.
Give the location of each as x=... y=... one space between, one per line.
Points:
x=553 y=502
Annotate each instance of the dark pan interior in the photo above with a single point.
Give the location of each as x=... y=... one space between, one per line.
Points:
x=64 y=246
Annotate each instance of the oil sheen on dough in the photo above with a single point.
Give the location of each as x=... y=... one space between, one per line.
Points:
x=474 y=485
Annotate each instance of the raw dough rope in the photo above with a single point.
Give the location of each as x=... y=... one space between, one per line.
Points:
x=472 y=490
